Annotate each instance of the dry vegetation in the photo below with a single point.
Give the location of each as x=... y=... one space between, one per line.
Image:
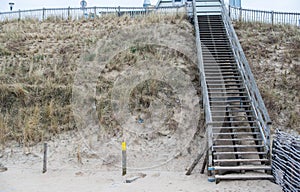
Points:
x=144 y=96
x=274 y=55
x=39 y=60
x=38 y=64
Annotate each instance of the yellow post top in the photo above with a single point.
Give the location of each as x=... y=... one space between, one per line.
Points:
x=123 y=146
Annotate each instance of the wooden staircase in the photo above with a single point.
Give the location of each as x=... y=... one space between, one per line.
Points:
x=237 y=135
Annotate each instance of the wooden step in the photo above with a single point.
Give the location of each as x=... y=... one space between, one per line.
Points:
x=239 y=160
x=215 y=40
x=209 y=39
x=239 y=139
x=210 y=47
x=225 y=85
x=219 y=71
x=238 y=133
x=224 y=116
x=244 y=176
x=210 y=61
x=230 y=98
x=239 y=127
x=219 y=51
x=237 y=146
x=243 y=167
x=209 y=33
x=229 y=89
x=224 y=74
x=230 y=106
x=223 y=77
x=224 y=81
x=230 y=101
x=240 y=153
x=227 y=93
x=218 y=122
x=233 y=111
x=217 y=66
x=219 y=57
x=216 y=54
x=208 y=6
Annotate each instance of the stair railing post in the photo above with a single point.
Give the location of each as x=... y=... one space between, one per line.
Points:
x=69 y=14
x=210 y=168
x=272 y=17
x=19 y=14
x=241 y=13
x=43 y=16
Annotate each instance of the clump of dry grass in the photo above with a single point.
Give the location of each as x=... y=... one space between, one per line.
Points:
x=38 y=64
x=274 y=55
x=144 y=93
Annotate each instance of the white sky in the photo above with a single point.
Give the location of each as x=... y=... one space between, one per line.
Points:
x=276 y=5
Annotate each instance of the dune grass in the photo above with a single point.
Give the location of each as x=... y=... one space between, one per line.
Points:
x=39 y=61
x=274 y=55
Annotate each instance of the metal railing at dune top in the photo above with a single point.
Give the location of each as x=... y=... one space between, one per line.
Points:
x=272 y=17
x=88 y=12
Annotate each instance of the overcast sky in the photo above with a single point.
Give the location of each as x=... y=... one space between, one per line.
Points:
x=276 y=5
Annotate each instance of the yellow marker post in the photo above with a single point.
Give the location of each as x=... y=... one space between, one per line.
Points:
x=123 y=146
x=123 y=158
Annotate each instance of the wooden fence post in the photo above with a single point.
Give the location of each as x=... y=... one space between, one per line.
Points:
x=45 y=158
x=123 y=158
x=272 y=17
x=19 y=14
x=119 y=11
x=69 y=14
x=240 y=16
x=43 y=14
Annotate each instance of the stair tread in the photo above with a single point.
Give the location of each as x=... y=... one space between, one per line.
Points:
x=232 y=116
x=228 y=97
x=230 y=106
x=232 y=122
x=239 y=160
x=243 y=167
x=239 y=153
x=233 y=111
x=217 y=65
x=223 y=85
x=245 y=176
x=223 y=74
x=223 y=80
x=237 y=146
x=227 y=88
x=238 y=133
x=239 y=127
x=223 y=77
x=239 y=139
x=219 y=72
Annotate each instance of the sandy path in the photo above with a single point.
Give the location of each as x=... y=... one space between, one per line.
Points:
x=25 y=180
x=65 y=173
